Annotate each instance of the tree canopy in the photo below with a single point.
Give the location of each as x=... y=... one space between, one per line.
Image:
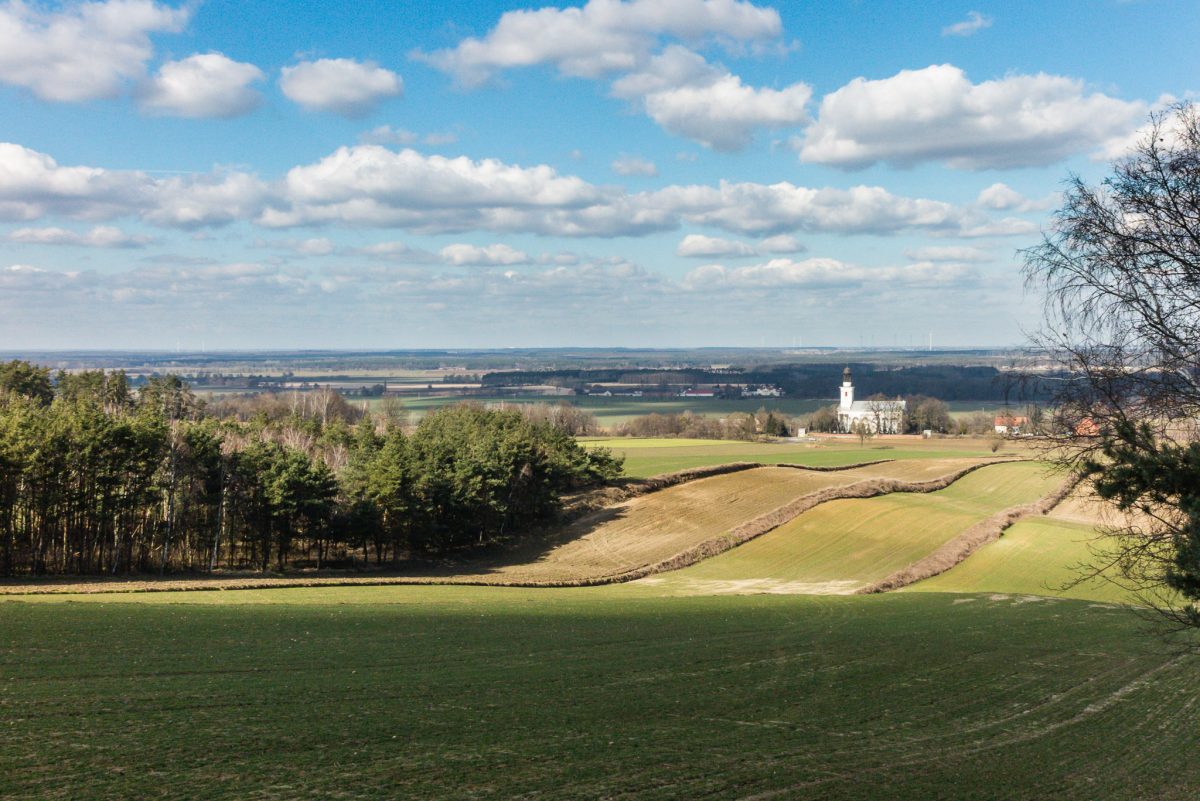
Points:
x=95 y=479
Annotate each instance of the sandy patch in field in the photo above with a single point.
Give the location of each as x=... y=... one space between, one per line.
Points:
x=763 y=586
x=1082 y=506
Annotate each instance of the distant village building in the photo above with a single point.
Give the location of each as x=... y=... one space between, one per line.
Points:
x=1010 y=424
x=616 y=393
x=764 y=392
x=878 y=416
x=696 y=392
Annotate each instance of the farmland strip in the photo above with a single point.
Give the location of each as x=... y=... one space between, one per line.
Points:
x=966 y=543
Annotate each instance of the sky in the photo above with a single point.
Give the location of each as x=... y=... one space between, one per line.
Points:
x=614 y=173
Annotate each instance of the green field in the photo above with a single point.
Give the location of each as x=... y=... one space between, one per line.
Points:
x=649 y=457
x=451 y=693
x=979 y=692
x=1037 y=556
x=844 y=545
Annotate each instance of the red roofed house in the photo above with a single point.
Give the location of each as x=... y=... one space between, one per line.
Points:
x=1009 y=424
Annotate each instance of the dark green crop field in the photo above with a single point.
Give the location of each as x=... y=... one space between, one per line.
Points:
x=480 y=693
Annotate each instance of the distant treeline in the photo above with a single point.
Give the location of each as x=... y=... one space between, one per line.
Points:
x=98 y=479
x=949 y=383
x=736 y=425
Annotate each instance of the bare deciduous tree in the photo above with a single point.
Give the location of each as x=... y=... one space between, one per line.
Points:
x=1121 y=273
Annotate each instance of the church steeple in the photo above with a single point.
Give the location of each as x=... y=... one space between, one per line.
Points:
x=847 y=399
x=846 y=375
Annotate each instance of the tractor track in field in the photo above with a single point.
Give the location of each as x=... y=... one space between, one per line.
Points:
x=953 y=747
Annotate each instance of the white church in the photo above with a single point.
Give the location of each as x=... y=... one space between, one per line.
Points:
x=879 y=416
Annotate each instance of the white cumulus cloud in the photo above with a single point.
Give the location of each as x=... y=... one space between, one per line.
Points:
x=203 y=85
x=783 y=243
x=1009 y=226
x=33 y=186
x=820 y=273
x=948 y=253
x=938 y=114
x=313 y=246
x=369 y=184
x=691 y=98
x=462 y=255
x=216 y=198
x=339 y=85
x=1124 y=145
x=82 y=51
x=101 y=236
x=700 y=246
x=974 y=23
x=769 y=209
x=1002 y=197
x=372 y=186
x=602 y=37
x=632 y=165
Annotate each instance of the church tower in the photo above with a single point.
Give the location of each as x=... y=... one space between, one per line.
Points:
x=847 y=390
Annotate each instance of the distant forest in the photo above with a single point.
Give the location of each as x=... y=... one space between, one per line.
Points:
x=335 y=362
x=945 y=382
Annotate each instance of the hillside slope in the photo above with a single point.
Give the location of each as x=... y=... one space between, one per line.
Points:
x=645 y=534
x=844 y=545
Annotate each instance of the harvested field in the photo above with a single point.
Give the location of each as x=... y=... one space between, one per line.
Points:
x=845 y=545
x=654 y=528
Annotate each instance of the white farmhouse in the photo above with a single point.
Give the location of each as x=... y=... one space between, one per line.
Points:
x=879 y=416
x=764 y=392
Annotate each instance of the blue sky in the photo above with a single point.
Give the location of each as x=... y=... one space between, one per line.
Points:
x=615 y=173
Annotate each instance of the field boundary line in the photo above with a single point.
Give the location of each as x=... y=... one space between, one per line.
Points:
x=758 y=526
x=958 y=549
x=602 y=498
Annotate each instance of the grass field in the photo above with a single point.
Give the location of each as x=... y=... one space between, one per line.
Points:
x=1037 y=556
x=844 y=545
x=452 y=693
x=974 y=690
x=648 y=457
x=1042 y=556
